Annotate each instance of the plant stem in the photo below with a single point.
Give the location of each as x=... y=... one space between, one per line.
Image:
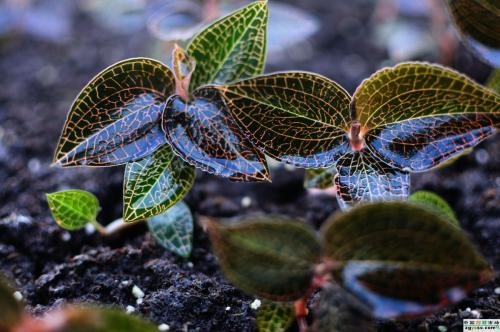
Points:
x=100 y=228
x=114 y=227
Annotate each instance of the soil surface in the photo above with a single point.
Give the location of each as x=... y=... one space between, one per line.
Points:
x=52 y=267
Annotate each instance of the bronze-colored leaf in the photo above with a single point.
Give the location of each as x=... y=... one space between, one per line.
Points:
x=275 y=316
x=271 y=257
x=385 y=248
x=204 y=135
x=363 y=178
x=116 y=117
x=295 y=117
x=11 y=310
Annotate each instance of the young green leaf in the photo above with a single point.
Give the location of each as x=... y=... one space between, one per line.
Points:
x=173 y=229
x=116 y=117
x=204 y=135
x=295 y=117
x=435 y=203
x=479 y=23
x=11 y=309
x=494 y=81
x=275 y=316
x=73 y=209
x=385 y=247
x=155 y=183
x=271 y=257
x=320 y=178
x=232 y=48
x=415 y=115
x=363 y=178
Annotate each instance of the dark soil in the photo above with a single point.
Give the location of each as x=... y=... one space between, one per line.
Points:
x=51 y=267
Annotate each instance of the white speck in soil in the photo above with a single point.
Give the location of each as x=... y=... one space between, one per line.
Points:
x=125 y=283
x=163 y=327
x=482 y=156
x=18 y=296
x=66 y=236
x=139 y=301
x=228 y=308
x=130 y=309
x=190 y=265
x=476 y=314
x=34 y=165
x=23 y=219
x=442 y=328
x=255 y=304
x=137 y=292
x=497 y=290
x=246 y=202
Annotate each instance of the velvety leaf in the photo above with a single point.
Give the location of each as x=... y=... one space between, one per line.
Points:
x=173 y=229
x=363 y=178
x=320 y=178
x=231 y=48
x=295 y=117
x=116 y=117
x=339 y=311
x=155 y=183
x=73 y=209
x=479 y=23
x=271 y=257
x=494 y=81
x=204 y=135
x=416 y=115
x=435 y=203
x=74 y=319
x=275 y=316
x=386 y=247
x=11 y=309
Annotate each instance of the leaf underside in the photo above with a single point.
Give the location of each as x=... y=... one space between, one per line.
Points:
x=155 y=183
x=295 y=117
x=73 y=209
x=116 y=117
x=11 y=309
x=271 y=257
x=275 y=316
x=387 y=246
x=173 y=229
x=204 y=135
x=242 y=36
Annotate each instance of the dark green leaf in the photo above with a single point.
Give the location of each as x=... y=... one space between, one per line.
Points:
x=385 y=248
x=116 y=117
x=275 y=316
x=231 y=48
x=173 y=229
x=320 y=178
x=435 y=203
x=299 y=118
x=11 y=309
x=363 y=178
x=271 y=257
x=154 y=184
x=339 y=311
x=479 y=23
x=415 y=115
x=73 y=209
x=494 y=81
x=204 y=135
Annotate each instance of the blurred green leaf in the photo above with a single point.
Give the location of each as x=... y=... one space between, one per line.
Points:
x=11 y=310
x=320 y=178
x=173 y=229
x=275 y=316
x=435 y=203
x=494 y=81
x=271 y=257
x=232 y=48
x=385 y=248
x=73 y=209
x=116 y=117
x=155 y=183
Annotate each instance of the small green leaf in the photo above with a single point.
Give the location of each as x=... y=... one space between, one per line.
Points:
x=11 y=310
x=155 y=183
x=275 y=316
x=271 y=257
x=173 y=229
x=232 y=48
x=435 y=203
x=384 y=248
x=494 y=81
x=73 y=209
x=82 y=319
x=415 y=116
x=116 y=117
x=295 y=117
x=320 y=178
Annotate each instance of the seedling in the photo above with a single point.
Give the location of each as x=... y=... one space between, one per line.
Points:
x=68 y=319
x=389 y=260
